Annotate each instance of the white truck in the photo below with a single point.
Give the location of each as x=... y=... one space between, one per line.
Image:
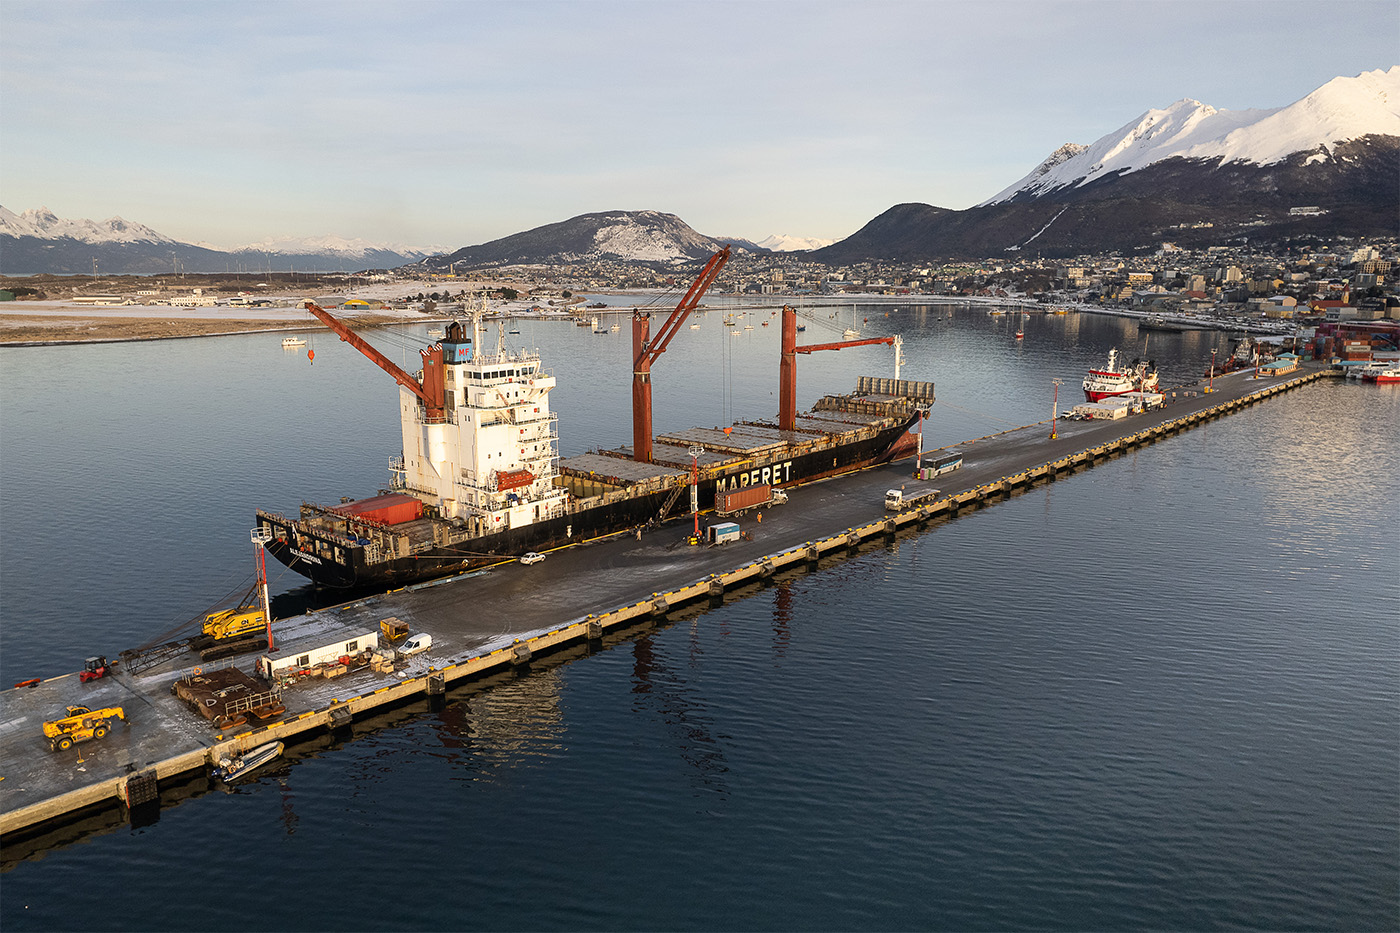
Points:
x=896 y=500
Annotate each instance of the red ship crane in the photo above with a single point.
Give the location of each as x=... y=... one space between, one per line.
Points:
x=645 y=351
x=787 y=366
x=429 y=391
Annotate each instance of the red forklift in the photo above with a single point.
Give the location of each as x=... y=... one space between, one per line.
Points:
x=95 y=669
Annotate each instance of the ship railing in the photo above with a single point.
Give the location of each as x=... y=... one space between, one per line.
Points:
x=518 y=356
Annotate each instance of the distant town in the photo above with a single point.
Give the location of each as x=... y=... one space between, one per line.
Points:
x=1343 y=280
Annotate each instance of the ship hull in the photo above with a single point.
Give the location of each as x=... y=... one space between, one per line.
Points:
x=342 y=565
x=1090 y=396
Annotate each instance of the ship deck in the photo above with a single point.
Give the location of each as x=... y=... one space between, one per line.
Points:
x=722 y=448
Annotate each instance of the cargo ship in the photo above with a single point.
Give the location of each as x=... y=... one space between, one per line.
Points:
x=480 y=479
x=1104 y=383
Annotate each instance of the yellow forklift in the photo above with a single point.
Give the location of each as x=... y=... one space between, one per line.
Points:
x=80 y=725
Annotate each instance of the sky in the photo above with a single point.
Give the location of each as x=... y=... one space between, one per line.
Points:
x=447 y=124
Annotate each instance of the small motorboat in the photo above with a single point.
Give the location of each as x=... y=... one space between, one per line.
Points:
x=293 y=342
x=230 y=768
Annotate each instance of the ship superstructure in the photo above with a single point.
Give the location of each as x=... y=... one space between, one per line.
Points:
x=486 y=459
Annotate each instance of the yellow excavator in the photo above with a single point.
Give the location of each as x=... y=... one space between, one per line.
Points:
x=244 y=619
x=80 y=725
x=253 y=612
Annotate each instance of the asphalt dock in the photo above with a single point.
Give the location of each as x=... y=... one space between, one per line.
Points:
x=480 y=623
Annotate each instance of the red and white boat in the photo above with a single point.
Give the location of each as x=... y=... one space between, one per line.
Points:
x=1104 y=383
x=1389 y=376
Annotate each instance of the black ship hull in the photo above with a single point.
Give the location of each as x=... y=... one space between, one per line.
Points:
x=336 y=562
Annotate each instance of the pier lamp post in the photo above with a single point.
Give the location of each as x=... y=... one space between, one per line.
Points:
x=695 y=451
x=1055 y=417
x=1211 y=387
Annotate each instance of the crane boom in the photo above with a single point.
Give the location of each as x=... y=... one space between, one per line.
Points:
x=812 y=348
x=787 y=365
x=645 y=351
x=429 y=391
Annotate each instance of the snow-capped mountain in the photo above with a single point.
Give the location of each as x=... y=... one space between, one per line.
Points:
x=39 y=241
x=335 y=246
x=1343 y=109
x=1324 y=166
x=620 y=236
x=44 y=224
x=782 y=243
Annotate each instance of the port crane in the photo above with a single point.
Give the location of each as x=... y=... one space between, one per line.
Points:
x=787 y=365
x=430 y=391
x=645 y=350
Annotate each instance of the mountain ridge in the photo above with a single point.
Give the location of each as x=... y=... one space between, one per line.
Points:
x=1341 y=110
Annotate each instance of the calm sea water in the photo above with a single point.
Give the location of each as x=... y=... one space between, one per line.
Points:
x=1162 y=693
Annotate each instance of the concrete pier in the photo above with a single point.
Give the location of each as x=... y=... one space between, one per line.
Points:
x=501 y=618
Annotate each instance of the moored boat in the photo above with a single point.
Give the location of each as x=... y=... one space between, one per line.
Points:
x=480 y=479
x=237 y=766
x=1140 y=376
x=292 y=342
x=1389 y=375
x=1372 y=371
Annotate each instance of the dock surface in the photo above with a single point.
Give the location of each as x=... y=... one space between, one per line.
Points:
x=497 y=618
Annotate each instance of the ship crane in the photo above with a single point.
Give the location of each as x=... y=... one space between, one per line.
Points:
x=787 y=365
x=430 y=391
x=645 y=351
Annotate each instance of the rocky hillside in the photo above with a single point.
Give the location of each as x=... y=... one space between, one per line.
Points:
x=624 y=236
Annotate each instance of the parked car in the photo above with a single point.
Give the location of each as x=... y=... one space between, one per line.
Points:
x=534 y=557
x=416 y=644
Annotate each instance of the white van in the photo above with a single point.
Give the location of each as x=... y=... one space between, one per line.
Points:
x=415 y=644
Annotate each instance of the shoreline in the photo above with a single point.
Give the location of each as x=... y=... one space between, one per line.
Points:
x=42 y=324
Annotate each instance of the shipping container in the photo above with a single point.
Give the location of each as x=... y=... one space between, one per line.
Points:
x=722 y=533
x=736 y=500
x=393 y=509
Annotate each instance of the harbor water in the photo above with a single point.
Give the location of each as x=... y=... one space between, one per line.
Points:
x=1159 y=693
